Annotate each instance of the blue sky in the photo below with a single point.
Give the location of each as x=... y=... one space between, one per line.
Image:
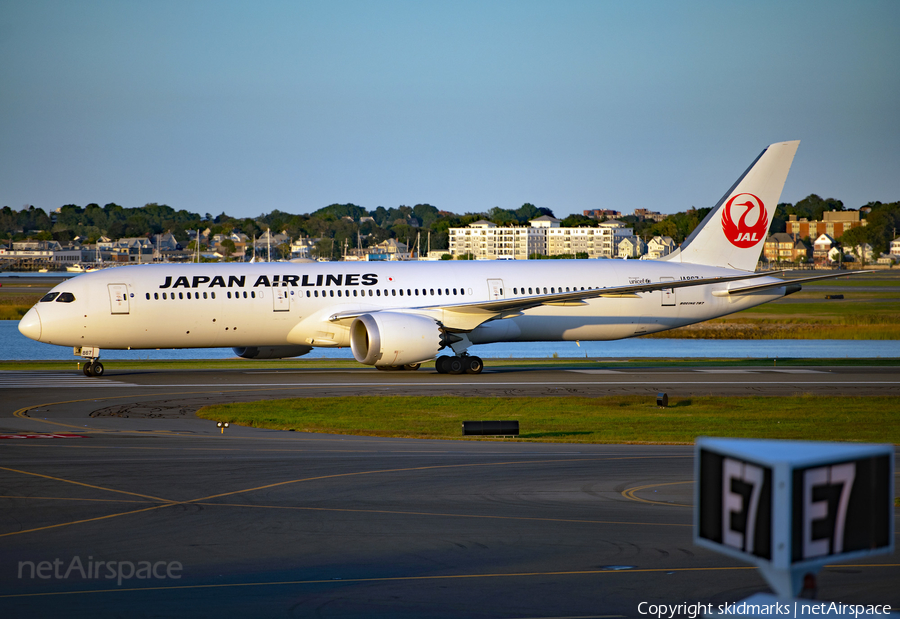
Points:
x=247 y=107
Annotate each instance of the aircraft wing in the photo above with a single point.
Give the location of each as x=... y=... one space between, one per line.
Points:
x=466 y=316
x=786 y=282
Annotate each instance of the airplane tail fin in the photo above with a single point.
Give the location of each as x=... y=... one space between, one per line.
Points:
x=733 y=233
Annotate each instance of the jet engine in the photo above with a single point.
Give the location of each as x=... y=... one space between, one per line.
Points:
x=392 y=339
x=271 y=352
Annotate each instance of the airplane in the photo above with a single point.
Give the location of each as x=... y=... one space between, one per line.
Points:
x=397 y=315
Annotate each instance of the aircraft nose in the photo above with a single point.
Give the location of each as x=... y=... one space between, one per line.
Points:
x=30 y=325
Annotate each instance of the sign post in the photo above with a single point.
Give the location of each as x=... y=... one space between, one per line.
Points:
x=790 y=507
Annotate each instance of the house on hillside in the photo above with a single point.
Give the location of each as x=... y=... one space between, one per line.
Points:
x=302 y=248
x=861 y=252
x=389 y=249
x=822 y=249
x=660 y=246
x=781 y=247
x=631 y=247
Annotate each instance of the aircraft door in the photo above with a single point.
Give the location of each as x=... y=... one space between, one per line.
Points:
x=281 y=299
x=495 y=289
x=118 y=298
x=668 y=294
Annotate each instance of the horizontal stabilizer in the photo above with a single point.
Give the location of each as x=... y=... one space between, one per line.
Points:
x=783 y=283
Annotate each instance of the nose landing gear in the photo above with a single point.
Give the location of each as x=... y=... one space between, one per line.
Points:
x=459 y=365
x=93 y=367
x=91 y=356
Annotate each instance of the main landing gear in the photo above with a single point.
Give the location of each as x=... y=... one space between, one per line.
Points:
x=459 y=365
x=93 y=367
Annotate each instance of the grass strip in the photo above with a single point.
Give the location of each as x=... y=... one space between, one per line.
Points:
x=768 y=330
x=608 y=419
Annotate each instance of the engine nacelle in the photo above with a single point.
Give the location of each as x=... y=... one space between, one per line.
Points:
x=271 y=352
x=392 y=338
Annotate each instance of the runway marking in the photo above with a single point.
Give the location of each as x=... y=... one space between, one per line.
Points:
x=62 y=498
x=66 y=524
x=798 y=371
x=173 y=503
x=53 y=380
x=728 y=371
x=443 y=515
x=404 y=470
x=629 y=494
x=33 y=436
x=78 y=483
x=759 y=371
x=597 y=371
x=366 y=511
x=338 y=581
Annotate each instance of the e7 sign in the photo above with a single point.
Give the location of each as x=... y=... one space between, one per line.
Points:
x=792 y=504
x=841 y=508
x=736 y=504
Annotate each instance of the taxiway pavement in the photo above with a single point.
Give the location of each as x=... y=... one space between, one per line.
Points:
x=267 y=523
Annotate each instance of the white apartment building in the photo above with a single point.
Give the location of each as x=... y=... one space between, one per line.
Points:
x=488 y=241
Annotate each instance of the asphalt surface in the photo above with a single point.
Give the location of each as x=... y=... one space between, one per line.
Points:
x=266 y=523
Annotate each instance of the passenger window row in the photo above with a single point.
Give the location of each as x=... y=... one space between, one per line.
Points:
x=552 y=290
x=393 y=292
x=181 y=295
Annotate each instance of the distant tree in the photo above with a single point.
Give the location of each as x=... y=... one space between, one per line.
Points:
x=426 y=214
x=812 y=207
x=528 y=211
x=62 y=234
x=575 y=220
x=323 y=248
x=341 y=210
x=666 y=227
x=853 y=239
x=228 y=248
x=882 y=225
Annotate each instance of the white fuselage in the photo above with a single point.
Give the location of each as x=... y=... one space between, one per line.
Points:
x=280 y=303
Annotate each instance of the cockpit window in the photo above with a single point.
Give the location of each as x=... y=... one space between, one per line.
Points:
x=65 y=297
x=49 y=297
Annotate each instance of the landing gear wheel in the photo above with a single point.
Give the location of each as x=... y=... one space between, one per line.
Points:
x=96 y=369
x=473 y=365
x=411 y=367
x=87 y=368
x=455 y=365
x=440 y=364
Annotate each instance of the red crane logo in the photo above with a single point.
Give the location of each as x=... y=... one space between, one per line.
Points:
x=745 y=234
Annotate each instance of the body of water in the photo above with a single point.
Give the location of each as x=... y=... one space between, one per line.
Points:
x=17 y=347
